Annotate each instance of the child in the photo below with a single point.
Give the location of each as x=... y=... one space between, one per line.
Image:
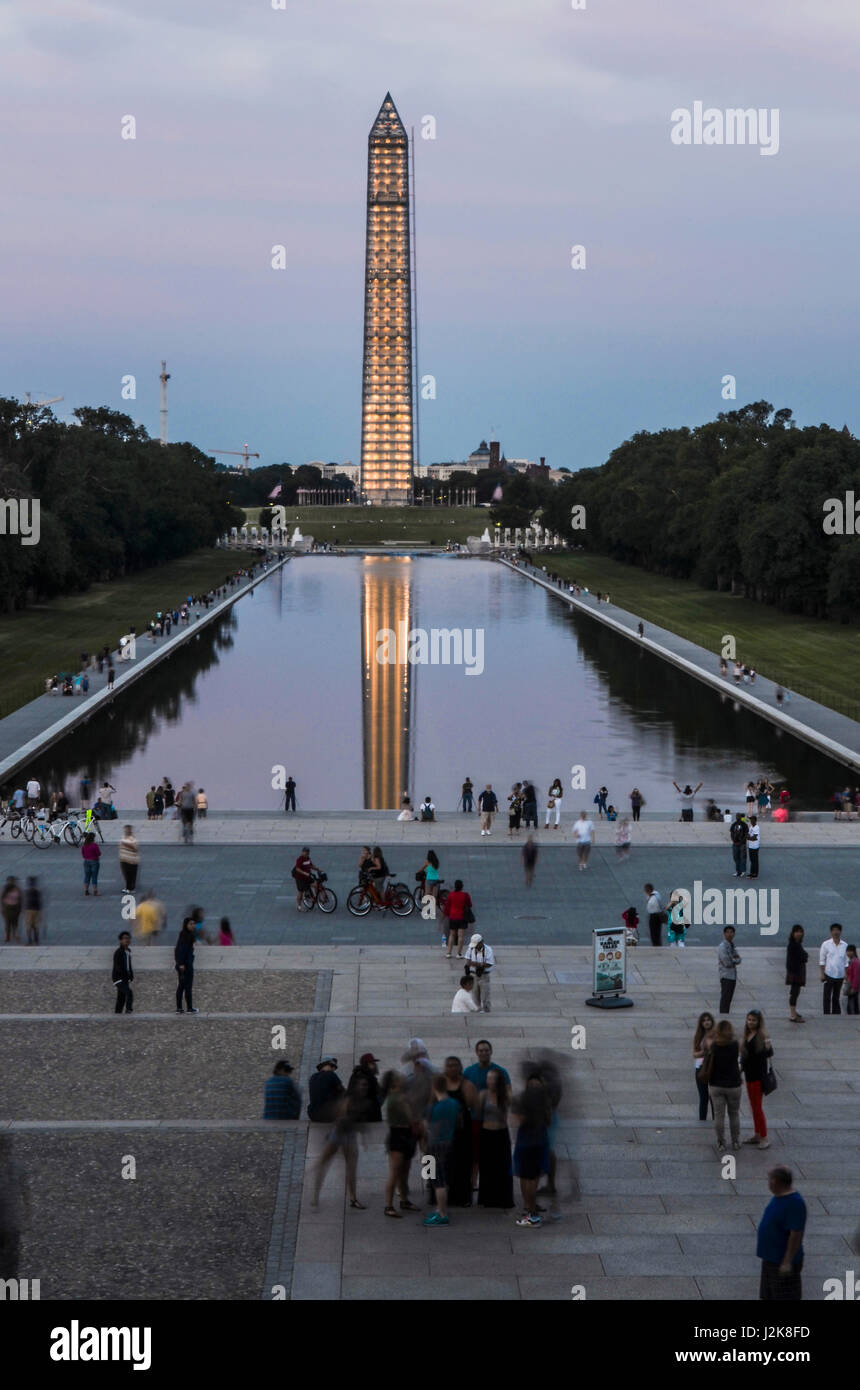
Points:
x=631 y=922
x=852 y=979
x=225 y=933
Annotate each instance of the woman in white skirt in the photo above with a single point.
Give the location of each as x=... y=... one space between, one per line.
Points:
x=553 y=802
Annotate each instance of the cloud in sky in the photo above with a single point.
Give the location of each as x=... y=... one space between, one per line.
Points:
x=552 y=129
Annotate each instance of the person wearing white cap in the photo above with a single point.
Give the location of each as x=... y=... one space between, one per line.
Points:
x=481 y=959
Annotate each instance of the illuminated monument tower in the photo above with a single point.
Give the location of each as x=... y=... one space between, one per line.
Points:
x=386 y=414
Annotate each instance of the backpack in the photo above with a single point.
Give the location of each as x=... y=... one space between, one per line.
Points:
x=737 y=832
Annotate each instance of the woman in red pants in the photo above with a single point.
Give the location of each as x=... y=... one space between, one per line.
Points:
x=755 y=1051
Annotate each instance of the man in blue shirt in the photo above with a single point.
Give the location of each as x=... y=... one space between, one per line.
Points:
x=283 y=1097
x=477 y=1072
x=780 y=1240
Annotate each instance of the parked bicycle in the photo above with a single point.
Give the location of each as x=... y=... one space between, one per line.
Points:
x=76 y=827
x=12 y=818
x=317 y=895
x=365 y=897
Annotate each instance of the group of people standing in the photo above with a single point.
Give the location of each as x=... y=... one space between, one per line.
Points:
x=186 y=804
x=459 y=1121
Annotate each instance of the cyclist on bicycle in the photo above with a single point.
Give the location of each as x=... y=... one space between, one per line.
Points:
x=365 y=864
x=377 y=873
x=301 y=872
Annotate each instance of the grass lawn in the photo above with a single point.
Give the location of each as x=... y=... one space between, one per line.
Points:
x=373 y=525
x=819 y=660
x=49 y=637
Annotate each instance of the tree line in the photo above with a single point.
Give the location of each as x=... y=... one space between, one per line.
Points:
x=736 y=504
x=111 y=500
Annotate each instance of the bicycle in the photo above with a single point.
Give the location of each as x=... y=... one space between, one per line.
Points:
x=12 y=818
x=421 y=893
x=365 y=896
x=74 y=831
x=317 y=895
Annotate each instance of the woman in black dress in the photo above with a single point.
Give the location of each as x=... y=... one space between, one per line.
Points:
x=460 y=1171
x=795 y=971
x=496 y=1184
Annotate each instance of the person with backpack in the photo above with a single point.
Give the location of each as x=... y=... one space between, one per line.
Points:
x=738 y=835
x=657 y=915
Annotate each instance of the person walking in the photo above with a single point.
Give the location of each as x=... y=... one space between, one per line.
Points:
x=554 y=802
x=795 y=970
x=460 y=914
x=583 y=829
x=530 y=858
x=753 y=844
x=529 y=805
x=657 y=914
x=533 y=1113
x=779 y=1240
x=702 y=1039
x=10 y=906
x=488 y=805
x=756 y=1049
x=738 y=832
x=722 y=1072
x=282 y=1098
x=515 y=809
x=183 y=956
x=495 y=1183
x=637 y=801
x=852 y=979
x=728 y=961
x=33 y=911
x=481 y=958
x=831 y=961
x=91 y=854
x=123 y=974
x=129 y=858
x=401 y=1142
x=342 y=1138
x=289 y=795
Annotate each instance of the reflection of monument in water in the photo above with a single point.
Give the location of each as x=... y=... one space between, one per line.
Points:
x=387 y=689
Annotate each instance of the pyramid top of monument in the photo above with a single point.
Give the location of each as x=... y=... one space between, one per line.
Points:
x=388 y=125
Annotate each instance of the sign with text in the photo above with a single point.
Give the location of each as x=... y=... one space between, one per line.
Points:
x=610 y=961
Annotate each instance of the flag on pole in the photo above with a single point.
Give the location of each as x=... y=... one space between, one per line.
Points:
x=276 y=492
x=497 y=495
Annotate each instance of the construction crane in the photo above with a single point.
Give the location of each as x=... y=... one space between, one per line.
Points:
x=164 y=378
x=52 y=401
x=240 y=453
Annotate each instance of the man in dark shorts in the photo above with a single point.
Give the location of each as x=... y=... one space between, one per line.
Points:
x=301 y=872
x=779 y=1245
x=442 y=1122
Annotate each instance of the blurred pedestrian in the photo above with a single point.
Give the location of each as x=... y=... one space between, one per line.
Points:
x=129 y=858
x=530 y=858
x=401 y=1142
x=531 y=1152
x=32 y=910
x=225 y=933
x=149 y=917
x=10 y=906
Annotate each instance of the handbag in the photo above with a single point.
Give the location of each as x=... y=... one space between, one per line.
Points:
x=469 y=917
x=768 y=1082
x=551 y=803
